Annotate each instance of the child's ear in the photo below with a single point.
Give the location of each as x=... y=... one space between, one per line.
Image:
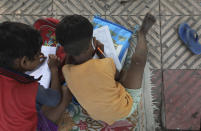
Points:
x=24 y=63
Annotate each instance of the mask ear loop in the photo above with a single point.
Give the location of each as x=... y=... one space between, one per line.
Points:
x=92 y=43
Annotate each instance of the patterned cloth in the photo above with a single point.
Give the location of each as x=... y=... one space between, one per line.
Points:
x=136 y=95
x=81 y=121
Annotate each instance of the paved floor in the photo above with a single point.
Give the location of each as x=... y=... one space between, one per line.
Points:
x=167 y=54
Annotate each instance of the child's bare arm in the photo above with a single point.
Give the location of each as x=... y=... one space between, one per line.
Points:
x=54 y=113
x=53 y=64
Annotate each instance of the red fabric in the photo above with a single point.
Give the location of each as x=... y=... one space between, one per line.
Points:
x=45 y=26
x=47 y=29
x=18 y=104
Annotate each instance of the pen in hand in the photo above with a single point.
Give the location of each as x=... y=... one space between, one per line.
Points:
x=100 y=51
x=97 y=47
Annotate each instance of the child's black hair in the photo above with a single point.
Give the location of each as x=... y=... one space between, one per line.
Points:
x=16 y=41
x=74 y=32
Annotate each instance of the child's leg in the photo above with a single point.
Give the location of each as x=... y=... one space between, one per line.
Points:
x=55 y=113
x=132 y=78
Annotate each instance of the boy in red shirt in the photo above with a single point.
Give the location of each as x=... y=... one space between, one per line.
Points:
x=21 y=96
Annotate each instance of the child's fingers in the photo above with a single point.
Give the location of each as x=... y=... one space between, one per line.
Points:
x=53 y=56
x=48 y=62
x=97 y=43
x=94 y=38
x=58 y=58
x=53 y=59
x=100 y=45
x=42 y=59
x=42 y=55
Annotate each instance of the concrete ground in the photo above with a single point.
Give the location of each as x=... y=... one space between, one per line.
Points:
x=176 y=71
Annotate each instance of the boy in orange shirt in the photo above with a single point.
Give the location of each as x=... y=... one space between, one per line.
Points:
x=95 y=83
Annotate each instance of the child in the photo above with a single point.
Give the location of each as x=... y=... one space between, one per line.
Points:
x=21 y=96
x=94 y=81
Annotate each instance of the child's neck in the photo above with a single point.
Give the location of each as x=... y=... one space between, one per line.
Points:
x=76 y=60
x=14 y=69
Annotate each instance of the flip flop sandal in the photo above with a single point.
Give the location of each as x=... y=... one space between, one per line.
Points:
x=189 y=38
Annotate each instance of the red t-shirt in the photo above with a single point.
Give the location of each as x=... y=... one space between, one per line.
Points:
x=17 y=102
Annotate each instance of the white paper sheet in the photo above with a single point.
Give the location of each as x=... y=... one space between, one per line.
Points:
x=44 y=69
x=103 y=35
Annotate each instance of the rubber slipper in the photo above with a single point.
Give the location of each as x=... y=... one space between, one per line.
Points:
x=182 y=32
x=193 y=41
x=189 y=38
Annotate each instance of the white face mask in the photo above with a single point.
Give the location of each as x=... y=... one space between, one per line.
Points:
x=92 y=43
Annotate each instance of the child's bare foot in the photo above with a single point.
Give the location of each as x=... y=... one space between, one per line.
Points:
x=147 y=23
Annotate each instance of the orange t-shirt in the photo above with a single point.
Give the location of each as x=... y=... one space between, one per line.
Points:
x=94 y=86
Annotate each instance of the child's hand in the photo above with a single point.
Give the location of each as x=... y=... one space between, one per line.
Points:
x=99 y=48
x=42 y=58
x=97 y=44
x=53 y=62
